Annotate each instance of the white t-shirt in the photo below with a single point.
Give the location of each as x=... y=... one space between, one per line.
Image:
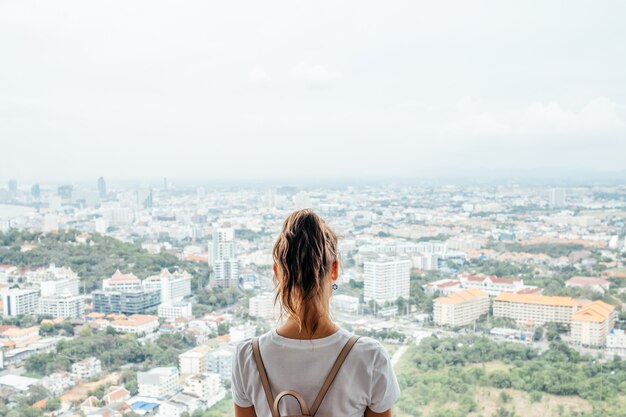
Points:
x=366 y=378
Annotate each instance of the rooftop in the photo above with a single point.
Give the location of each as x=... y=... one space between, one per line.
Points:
x=462 y=296
x=598 y=311
x=587 y=281
x=536 y=299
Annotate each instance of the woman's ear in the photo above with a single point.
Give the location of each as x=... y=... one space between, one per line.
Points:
x=275 y=269
x=334 y=271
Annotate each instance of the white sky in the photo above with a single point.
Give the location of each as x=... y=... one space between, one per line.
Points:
x=292 y=89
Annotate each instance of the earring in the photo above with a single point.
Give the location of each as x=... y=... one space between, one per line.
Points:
x=335 y=286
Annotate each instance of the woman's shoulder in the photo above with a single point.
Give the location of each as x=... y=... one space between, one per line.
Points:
x=369 y=348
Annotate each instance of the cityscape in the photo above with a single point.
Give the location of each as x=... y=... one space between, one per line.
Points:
x=492 y=299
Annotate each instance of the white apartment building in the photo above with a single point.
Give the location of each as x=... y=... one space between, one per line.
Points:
x=174 y=286
x=158 y=382
x=16 y=302
x=220 y=362
x=173 y=311
x=262 y=306
x=386 y=279
x=242 y=332
x=533 y=309
x=427 y=262
x=87 y=368
x=194 y=361
x=223 y=256
x=122 y=282
x=65 y=306
x=207 y=387
x=591 y=324
x=460 y=308
x=69 y=286
x=616 y=342
x=226 y=273
x=345 y=303
x=223 y=242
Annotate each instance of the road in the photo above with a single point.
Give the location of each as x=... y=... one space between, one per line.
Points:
x=396 y=356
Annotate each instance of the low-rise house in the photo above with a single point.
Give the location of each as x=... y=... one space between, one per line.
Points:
x=58 y=382
x=115 y=394
x=140 y=324
x=87 y=368
x=21 y=336
x=600 y=285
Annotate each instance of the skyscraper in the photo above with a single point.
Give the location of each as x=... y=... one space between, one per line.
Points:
x=144 y=198
x=224 y=256
x=12 y=187
x=557 y=198
x=102 y=187
x=35 y=191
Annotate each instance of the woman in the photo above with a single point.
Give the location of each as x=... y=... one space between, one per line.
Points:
x=300 y=353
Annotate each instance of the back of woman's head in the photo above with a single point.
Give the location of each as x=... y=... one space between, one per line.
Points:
x=304 y=255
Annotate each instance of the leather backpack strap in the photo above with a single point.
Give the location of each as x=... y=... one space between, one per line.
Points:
x=264 y=380
x=333 y=373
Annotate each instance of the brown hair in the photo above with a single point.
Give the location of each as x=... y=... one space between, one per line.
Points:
x=304 y=255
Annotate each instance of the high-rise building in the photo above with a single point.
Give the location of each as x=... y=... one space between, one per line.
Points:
x=223 y=242
x=226 y=273
x=102 y=187
x=35 y=191
x=16 y=302
x=12 y=187
x=557 y=198
x=224 y=256
x=144 y=198
x=386 y=279
x=65 y=191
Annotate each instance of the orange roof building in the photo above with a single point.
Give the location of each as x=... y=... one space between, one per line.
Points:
x=592 y=324
x=460 y=308
x=534 y=309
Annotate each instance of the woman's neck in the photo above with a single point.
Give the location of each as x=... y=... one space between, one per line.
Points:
x=291 y=330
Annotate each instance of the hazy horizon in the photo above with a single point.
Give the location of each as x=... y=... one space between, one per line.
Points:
x=293 y=92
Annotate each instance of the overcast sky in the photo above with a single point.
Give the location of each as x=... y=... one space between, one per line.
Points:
x=331 y=89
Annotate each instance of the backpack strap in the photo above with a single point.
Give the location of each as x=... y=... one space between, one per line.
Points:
x=264 y=380
x=332 y=374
